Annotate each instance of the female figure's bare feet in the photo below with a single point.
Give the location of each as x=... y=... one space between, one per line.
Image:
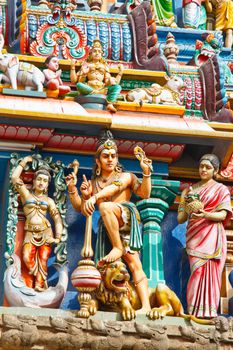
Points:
x=115 y=254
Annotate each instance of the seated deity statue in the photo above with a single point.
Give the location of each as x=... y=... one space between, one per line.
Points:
x=110 y=189
x=94 y=77
x=38 y=234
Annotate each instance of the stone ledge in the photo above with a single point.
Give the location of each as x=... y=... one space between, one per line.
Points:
x=42 y=329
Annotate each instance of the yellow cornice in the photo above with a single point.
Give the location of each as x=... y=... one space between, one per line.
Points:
x=221 y=126
x=152 y=108
x=45 y=116
x=149 y=128
x=147 y=123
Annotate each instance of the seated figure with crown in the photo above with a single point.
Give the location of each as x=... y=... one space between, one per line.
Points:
x=94 y=77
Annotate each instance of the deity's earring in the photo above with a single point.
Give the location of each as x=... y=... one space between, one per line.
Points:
x=98 y=171
x=118 y=169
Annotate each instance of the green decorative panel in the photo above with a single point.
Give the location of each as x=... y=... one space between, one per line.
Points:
x=192 y=112
x=134 y=84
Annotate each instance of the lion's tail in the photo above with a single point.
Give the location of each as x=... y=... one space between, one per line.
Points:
x=197 y=320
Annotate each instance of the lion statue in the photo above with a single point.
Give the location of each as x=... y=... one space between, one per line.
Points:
x=117 y=293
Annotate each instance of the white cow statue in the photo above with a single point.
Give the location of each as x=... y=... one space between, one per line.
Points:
x=22 y=73
x=167 y=94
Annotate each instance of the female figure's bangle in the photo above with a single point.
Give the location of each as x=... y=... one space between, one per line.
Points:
x=146 y=175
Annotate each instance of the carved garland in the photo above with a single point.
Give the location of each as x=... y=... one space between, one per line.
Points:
x=59 y=198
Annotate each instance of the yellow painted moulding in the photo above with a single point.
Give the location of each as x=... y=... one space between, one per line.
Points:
x=221 y=126
x=153 y=108
x=50 y=110
x=70 y=112
x=45 y=116
x=128 y=74
x=165 y=125
x=146 y=75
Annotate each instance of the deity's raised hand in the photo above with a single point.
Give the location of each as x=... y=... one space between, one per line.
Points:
x=86 y=188
x=71 y=179
x=141 y=156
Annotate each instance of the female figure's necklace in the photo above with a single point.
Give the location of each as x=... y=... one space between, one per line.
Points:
x=36 y=196
x=200 y=186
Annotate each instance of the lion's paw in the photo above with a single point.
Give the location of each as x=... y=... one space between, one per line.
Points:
x=83 y=313
x=128 y=314
x=156 y=313
x=92 y=310
x=92 y=307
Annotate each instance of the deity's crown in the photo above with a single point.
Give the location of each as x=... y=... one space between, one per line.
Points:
x=96 y=43
x=108 y=144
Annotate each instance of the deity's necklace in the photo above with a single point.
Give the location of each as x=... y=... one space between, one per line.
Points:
x=101 y=182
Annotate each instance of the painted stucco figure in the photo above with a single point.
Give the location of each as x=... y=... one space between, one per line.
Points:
x=38 y=234
x=111 y=189
x=94 y=77
x=167 y=94
x=53 y=76
x=119 y=294
x=194 y=13
x=223 y=10
x=163 y=12
x=19 y=73
x=205 y=237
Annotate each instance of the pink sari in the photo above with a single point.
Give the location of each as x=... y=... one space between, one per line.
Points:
x=206 y=247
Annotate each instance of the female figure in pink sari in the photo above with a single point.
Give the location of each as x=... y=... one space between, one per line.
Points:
x=206 y=239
